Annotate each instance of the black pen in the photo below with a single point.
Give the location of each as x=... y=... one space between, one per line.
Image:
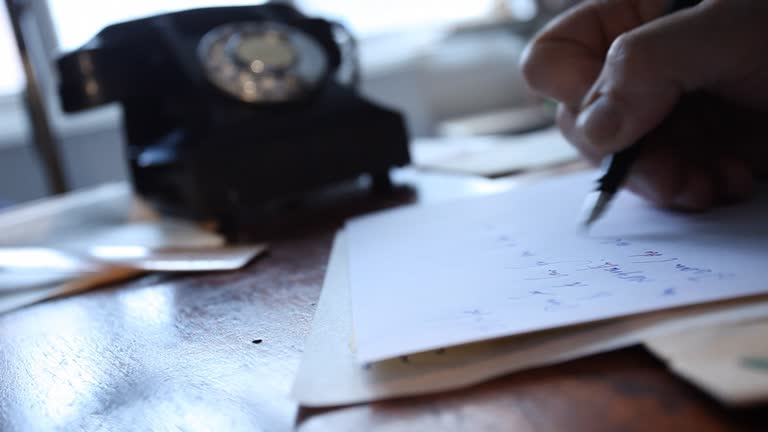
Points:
x=617 y=166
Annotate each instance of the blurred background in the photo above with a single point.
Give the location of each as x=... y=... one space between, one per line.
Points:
x=449 y=65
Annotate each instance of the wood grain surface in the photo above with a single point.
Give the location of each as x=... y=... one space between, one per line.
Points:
x=218 y=352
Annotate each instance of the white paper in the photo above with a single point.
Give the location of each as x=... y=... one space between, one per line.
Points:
x=429 y=277
x=20 y=298
x=329 y=374
x=105 y=216
x=726 y=361
x=494 y=155
x=23 y=279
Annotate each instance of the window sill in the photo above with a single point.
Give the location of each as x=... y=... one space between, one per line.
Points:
x=14 y=124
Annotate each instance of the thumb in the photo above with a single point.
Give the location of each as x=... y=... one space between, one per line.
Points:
x=648 y=69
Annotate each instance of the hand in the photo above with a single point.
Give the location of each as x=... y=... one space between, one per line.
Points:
x=694 y=83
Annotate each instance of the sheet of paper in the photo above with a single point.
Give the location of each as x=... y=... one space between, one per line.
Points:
x=22 y=279
x=164 y=246
x=728 y=361
x=165 y=259
x=430 y=277
x=16 y=299
x=105 y=222
x=203 y=260
x=107 y=215
x=329 y=374
x=493 y=156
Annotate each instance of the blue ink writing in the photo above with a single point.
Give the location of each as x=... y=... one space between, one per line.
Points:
x=648 y=254
x=629 y=276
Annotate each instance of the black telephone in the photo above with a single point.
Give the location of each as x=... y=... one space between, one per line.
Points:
x=231 y=109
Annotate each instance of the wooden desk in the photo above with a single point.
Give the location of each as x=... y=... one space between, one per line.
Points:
x=177 y=353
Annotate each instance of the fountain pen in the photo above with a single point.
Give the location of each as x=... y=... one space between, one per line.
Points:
x=617 y=166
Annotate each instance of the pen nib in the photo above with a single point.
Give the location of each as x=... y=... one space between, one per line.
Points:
x=595 y=205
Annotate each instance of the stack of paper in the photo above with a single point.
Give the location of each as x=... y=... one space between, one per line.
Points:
x=438 y=297
x=728 y=361
x=494 y=156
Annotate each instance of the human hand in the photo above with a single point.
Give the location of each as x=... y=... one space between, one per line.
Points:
x=694 y=83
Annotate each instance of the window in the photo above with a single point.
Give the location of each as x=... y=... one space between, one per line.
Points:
x=20 y=176
x=370 y=17
x=12 y=121
x=75 y=26
x=365 y=17
x=11 y=76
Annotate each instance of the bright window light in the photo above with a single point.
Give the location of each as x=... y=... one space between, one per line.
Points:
x=370 y=17
x=77 y=21
x=11 y=75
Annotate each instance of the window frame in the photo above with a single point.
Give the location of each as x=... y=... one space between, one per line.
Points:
x=13 y=104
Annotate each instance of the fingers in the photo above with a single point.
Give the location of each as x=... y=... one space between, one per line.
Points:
x=668 y=180
x=734 y=179
x=659 y=175
x=648 y=69
x=620 y=69
x=565 y=58
x=685 y=165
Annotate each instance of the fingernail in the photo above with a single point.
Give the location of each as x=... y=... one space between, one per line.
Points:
x=687 y=200
x=600 y=122
x=697 y=194
x=643 y=186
